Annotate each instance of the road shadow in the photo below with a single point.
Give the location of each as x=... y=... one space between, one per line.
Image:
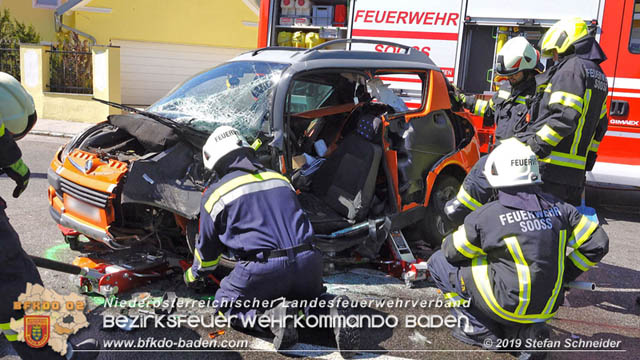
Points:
x=622 y=290
x=582 y=347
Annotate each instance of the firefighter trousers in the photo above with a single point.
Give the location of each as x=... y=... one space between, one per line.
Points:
x=447 y=278
x=16 y=270
x=298 y=277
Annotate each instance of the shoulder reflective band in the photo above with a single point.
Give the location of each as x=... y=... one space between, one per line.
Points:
x=480 y=271
x=206 y=265
x=582 y=232
x=594 y=146
x=454 y=299
x=524 y=276
x=562 y=241
x=604 y=110
x=548 y=135
x=566 y=99
x=468 y=200
x=578 y=132
x=239 y=181
x=480 y=108
x=566 y=160
x=521 y=100
x=1 y=129
x=581 y=261
x=463 y=245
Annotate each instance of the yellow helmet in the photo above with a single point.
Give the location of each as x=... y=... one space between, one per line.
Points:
x=562 y=35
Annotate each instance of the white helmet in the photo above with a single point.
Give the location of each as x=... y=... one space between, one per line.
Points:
x=516 y=55
x=512 y=163
x=224 y=140
x=16 y=106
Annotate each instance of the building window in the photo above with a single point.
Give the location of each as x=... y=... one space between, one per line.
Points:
x=634 y=38
x=47 y=4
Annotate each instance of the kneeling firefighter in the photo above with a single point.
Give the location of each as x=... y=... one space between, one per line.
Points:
x=254 y=213
x=509 y=257
x=519 y=62
x=17 y=117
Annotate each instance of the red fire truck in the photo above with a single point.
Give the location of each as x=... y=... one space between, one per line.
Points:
x=462 y=38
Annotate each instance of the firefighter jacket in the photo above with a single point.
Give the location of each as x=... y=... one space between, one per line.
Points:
x=512 y=254
x=569 y=115
x=507 y=109
x=248 y=210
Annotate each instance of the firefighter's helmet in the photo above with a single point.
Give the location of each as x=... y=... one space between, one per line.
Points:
x=516 y=55
x=224 y=140
x=17 y=110
x=512 y=163
x=562 y=35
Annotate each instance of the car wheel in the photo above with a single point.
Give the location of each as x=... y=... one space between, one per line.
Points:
x=437 y=225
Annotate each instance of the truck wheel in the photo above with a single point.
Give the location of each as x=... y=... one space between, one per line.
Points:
x=436 y=224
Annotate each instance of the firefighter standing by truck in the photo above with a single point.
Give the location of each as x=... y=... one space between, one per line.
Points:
x=509 y=257
x=569 y=119
x=17 y=117
x=254 y=212
x=571 y=113
x=519 y=62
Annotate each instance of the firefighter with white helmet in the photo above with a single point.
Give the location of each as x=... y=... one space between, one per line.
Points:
x=519 y=62
x=17 y=117
x=509 y=257
x=255 y=214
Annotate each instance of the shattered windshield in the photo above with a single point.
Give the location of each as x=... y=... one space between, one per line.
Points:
x=238 y=94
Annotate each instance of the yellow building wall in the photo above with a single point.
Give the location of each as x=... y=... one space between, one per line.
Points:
x=190 y=22
x=41 y=19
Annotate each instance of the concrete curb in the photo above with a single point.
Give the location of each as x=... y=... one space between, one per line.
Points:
x=50 y=133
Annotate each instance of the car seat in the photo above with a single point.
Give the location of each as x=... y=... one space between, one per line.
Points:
x=343 y=188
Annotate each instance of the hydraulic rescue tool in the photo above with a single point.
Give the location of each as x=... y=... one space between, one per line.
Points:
x=108 y=279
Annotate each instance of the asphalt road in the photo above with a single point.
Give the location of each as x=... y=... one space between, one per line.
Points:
x=611 y=312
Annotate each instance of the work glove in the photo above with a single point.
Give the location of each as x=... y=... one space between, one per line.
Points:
x=193 y=282
x=20 y=173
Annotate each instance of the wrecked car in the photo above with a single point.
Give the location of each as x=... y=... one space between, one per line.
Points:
x=368 y=139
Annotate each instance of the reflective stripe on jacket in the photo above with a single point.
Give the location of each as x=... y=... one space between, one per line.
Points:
x=570 y=120
x=249 y=209
x=516 y=261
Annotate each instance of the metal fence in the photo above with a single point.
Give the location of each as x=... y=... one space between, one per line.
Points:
x=71 y=72
x=10 y=61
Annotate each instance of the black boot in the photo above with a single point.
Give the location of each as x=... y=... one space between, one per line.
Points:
x=88 y=344
x=538 y=332
x=347 y=337
x=282 y=326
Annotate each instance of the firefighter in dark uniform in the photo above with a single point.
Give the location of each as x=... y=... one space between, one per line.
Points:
x=254 y=212
x=17 y=117
x=569 y=119
x=507 y=109
x=509 y=257
x=571 y=113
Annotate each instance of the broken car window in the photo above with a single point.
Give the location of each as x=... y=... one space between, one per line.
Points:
x=236 y=94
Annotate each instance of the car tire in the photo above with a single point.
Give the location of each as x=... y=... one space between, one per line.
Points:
x=436 y=224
